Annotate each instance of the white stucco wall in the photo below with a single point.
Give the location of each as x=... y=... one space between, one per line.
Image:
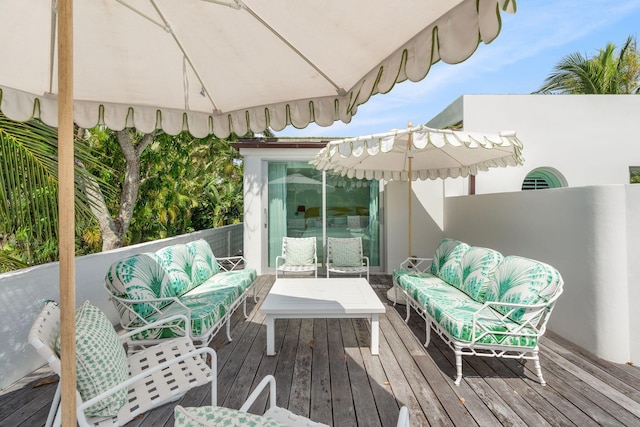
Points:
x=590 y=139
x=584 y=232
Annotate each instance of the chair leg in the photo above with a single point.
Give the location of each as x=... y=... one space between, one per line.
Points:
x=458 y=352
x=228 y=328
x=536 y=364
x=54 y=412
x=244 y=308
x=427 y=324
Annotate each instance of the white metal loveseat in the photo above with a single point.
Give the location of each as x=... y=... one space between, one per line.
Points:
x=480 y=302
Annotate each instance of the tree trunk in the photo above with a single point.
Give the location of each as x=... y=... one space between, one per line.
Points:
x=114 y=229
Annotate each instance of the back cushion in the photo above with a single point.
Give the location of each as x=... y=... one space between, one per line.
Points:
x=204 y=262
x=137 y=277
x=299 y=251
x=446 y=261
x=178 y=263
x=522 y=281
x=477 y=265
x=101 y=361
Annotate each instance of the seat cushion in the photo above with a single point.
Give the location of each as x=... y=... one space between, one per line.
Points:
x=208 y=304
x=214 y=416
x=519 y=280
x=453 y=310
x=419 y=286
x=446 y=261
x=101 y=362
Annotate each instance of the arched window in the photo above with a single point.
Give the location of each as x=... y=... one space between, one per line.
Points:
x=542 y=178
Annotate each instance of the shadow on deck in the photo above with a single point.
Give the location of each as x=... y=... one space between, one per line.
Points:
x=324 y=369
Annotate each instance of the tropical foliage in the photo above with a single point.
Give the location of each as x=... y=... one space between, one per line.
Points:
x=610 y=71
x=29 y=194
x=130 y=187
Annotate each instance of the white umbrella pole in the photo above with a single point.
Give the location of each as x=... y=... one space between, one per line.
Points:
x=410 y=159
x=66 y=238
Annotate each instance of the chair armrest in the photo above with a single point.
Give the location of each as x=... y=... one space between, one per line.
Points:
x=128 y=304
x=267 y=380
x=416 y=263
x=159 y=323
x=146 y=374
x=230 y=263
x=537 y=317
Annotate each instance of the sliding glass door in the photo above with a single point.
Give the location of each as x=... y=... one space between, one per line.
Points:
x=305 y=202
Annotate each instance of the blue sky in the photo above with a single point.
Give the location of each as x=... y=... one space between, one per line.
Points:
x=531 y=43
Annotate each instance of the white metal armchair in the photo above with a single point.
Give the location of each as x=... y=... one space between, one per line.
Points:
x=344 y=256
x=274 y=416
x=113 y=388
x=298 y=256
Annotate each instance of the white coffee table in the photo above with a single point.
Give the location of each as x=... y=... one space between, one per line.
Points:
x=321 y=298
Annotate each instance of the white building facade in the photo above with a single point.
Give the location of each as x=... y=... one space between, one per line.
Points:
x=582 y=147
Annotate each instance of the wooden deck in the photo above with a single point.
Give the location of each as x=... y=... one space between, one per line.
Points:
x=325 y=370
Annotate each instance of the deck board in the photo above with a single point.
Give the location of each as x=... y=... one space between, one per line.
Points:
x=324 y=368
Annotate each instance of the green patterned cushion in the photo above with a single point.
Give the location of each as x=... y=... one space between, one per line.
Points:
x=215 y=416
x=208 y=303
x=522 y=281
x=419 y=285
x=204 y=262
x=453 y=310
x=138 y=277
x=101 y=362
x=446 y=261
x=178 y=263
x=300 y=251
x=346 y=252
x=476 y=267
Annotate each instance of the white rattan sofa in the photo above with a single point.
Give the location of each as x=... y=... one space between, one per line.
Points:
x=480 y=302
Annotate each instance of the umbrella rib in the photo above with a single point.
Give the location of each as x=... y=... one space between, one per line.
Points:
x=167 y=27
x=339 y=90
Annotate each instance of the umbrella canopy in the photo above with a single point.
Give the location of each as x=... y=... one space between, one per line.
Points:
x=433 y=153
x=419 y=153
x=226 y=66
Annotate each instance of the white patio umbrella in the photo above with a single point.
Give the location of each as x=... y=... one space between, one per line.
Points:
x=419 y=153
x=213 y=66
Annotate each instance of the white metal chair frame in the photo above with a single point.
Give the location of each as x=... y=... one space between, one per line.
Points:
x=281 y=260
x=333 y=268
x=538 y=315
x=157 y=375
x=202 y=340
x=289 y=418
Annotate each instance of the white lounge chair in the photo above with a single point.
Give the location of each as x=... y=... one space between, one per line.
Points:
x=113 y=388
x=344 y=256
x=298 y=256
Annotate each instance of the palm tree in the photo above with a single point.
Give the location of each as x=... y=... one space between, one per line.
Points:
x=604 y=73
x=29 y=192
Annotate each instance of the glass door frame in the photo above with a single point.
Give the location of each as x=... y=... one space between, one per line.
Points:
x=324 y=219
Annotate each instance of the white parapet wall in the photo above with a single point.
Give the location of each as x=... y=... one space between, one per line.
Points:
x=22 y=293
x=587 y=233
